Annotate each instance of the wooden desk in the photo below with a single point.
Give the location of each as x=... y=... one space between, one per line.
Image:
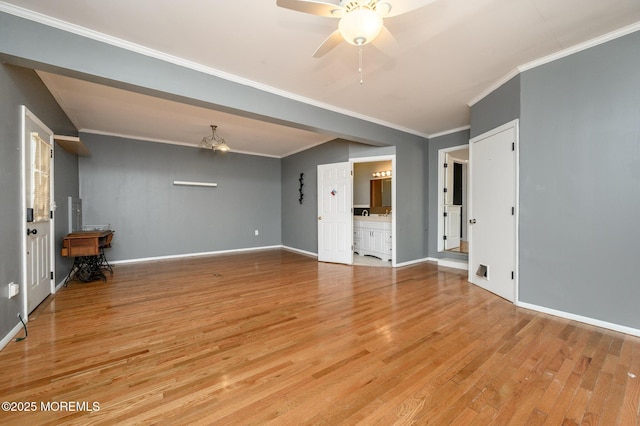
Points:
x=87 y=249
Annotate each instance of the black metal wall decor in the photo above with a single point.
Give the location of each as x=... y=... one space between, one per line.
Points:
x=301 y=185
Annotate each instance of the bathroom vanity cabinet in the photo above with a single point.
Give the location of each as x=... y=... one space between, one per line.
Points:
x=372 y=236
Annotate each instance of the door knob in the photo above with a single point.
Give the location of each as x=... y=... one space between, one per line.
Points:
x=319 y=217
x=472 y=221
x=31 y=231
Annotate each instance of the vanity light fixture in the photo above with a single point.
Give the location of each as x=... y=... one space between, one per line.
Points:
x=382 y=174
x=214 y=141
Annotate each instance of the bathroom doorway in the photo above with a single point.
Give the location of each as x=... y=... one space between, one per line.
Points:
x=374 y=198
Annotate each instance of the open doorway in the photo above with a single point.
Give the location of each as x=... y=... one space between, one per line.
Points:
x=341 y=235
x=452 y=199
x=374 y=196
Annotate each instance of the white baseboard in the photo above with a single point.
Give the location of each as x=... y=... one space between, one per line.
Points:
x=453 y=263
x=60 y=285
x=307 y=253
x=580 y=318
x=179 y=256
x=413 y=262
x=9 y=337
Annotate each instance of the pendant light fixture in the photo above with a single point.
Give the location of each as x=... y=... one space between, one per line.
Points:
x=214 y=141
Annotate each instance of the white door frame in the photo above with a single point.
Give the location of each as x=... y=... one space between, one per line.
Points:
x=391 y=158
x=441 y=158
x=24 y=113
x=394 y=203
x=516 y=125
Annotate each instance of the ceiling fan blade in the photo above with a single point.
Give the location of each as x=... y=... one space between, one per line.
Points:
x=313 y=7
x=399 y=7
x=334 y=39
x=386 y=42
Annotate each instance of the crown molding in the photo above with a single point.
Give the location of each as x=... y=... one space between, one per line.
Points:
x=621 y=32
x=514 y=72
x=448 y=132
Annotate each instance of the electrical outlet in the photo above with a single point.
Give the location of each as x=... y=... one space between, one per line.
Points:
x=14 y=289
x=257 y=232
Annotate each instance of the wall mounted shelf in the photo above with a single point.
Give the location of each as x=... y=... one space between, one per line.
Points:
x=72 y=144
x=189 y=183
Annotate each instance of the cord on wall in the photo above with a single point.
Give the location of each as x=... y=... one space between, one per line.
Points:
x=19 y=339
x=188 y=183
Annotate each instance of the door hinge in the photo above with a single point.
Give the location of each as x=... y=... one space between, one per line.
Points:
x=445 y=165
x=50 y=214
x=513 y=146
x=513 y=211
x=51 y=153
x=445 y=214
x=445 y=189
x=444 y=237
x=51 y=274
x=513 y=275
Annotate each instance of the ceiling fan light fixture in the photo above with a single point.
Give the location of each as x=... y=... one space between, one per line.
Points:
x=360 y=26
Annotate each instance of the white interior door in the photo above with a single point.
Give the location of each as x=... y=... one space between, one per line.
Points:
x=493 y=195
x=335 y=217
x=38 y=179
x=452 y=227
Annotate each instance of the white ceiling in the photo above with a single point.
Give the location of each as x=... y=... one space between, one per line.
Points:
x=449 y=52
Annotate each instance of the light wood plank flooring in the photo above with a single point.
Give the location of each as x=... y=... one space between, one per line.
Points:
x=274 y=337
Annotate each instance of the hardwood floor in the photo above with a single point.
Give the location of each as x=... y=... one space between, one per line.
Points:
x=276 y=337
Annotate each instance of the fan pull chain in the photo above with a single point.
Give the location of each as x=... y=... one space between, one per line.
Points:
x=360 y=63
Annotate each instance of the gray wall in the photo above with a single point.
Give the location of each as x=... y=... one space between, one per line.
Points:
x=436 y=144
x=580 y=183
x=66 y=185
x=411 y=196
x=129 y=184
x=497 y=108
x=18 y=87
x=299 y=221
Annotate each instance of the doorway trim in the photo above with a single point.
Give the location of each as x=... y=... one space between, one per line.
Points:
x=441 y=157
x=24 y=114
x=394 y=193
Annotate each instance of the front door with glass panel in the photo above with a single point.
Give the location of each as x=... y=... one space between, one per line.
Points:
x=38 y=156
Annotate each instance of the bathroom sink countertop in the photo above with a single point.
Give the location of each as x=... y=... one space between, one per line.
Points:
x=374 y=218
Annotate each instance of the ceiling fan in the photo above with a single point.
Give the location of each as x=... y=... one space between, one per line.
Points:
x=361 y=21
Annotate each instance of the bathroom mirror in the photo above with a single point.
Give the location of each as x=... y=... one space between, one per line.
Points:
x=380 y=195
